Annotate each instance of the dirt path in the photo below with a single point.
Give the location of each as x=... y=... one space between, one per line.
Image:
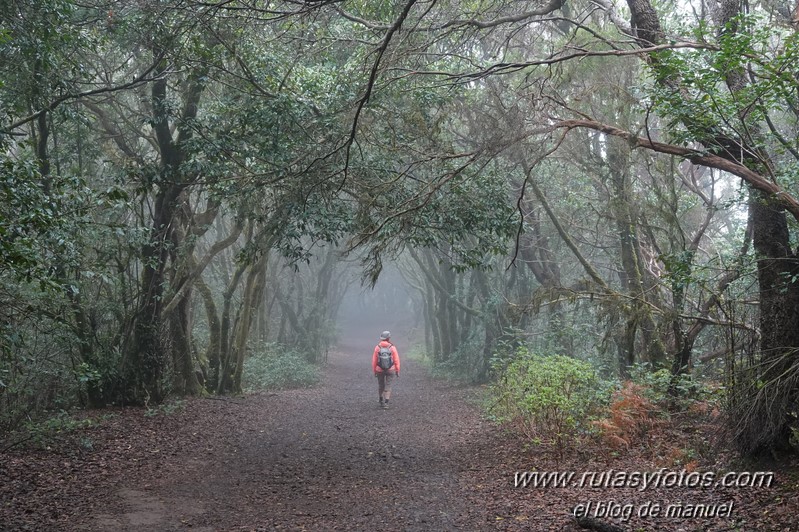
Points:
x=330 y=458
x=326 y=458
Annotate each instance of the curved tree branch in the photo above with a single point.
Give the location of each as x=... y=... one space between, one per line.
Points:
x=373 y=78
x=553 y=5
x=142 y=78
x=564 y=234
x=757 y=181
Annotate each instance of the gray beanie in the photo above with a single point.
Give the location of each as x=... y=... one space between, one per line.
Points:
x=385 y=335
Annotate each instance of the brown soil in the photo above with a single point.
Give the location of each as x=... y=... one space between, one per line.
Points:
x=327 y=458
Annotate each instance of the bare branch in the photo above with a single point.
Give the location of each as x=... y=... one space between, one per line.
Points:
x=615 y=18
x=564 y=234
x=362 y=21
x=142 y=78
x=553 y=5
x=509 y=68
x=373 y=78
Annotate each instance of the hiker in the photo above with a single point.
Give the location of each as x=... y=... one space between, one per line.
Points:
x=385 y=365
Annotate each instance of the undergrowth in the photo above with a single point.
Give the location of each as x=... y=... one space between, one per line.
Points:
x=549 y=399
x=562 y=402
x=629 y=417
x=453 y=370
x=274 y=367
x=51 y=430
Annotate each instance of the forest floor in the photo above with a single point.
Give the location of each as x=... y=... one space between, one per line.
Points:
x=328 y=458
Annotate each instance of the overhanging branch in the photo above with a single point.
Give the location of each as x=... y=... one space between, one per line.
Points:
x=142 y=78
x=757 y=181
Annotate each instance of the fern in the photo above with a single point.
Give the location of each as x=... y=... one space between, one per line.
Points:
x=630 y=417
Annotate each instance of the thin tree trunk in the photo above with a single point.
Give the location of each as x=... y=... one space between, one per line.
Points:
x=638 y=314
x=253 y=296
x=213 y=352
x=226 y=359
x=185 y=380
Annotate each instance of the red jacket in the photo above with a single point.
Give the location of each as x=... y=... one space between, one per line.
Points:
x=394 y=357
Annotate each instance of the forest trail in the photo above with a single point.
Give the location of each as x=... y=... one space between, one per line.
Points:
x=325 y=458
x=328 y=458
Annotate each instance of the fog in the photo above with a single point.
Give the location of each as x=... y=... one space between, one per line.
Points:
x=391 y=305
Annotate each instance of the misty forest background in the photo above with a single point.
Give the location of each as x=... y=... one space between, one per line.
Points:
x=585 y=204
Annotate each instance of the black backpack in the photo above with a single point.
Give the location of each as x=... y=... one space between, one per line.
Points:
x=384 y=358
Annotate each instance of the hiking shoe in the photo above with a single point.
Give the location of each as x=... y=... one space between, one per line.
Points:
x=385 y=404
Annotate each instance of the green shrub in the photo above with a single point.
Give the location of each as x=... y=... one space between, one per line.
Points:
x=167 y=408
x=462 y=365
x=43 y=433
x=549 y=399
x=657 y=383
x=274 y=367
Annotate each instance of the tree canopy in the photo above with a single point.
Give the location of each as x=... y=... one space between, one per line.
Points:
x=182 y=182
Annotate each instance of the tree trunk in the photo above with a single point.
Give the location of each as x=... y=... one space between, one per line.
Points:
x=145 y=361
x=451 y=323
x=184 y=377
x=225 y=383
x=213 y=352
x=253 y=296
x=638 y=314
x=432 y=343
x=777 y=271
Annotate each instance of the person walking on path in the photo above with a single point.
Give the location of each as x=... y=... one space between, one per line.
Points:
x=386 y=366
